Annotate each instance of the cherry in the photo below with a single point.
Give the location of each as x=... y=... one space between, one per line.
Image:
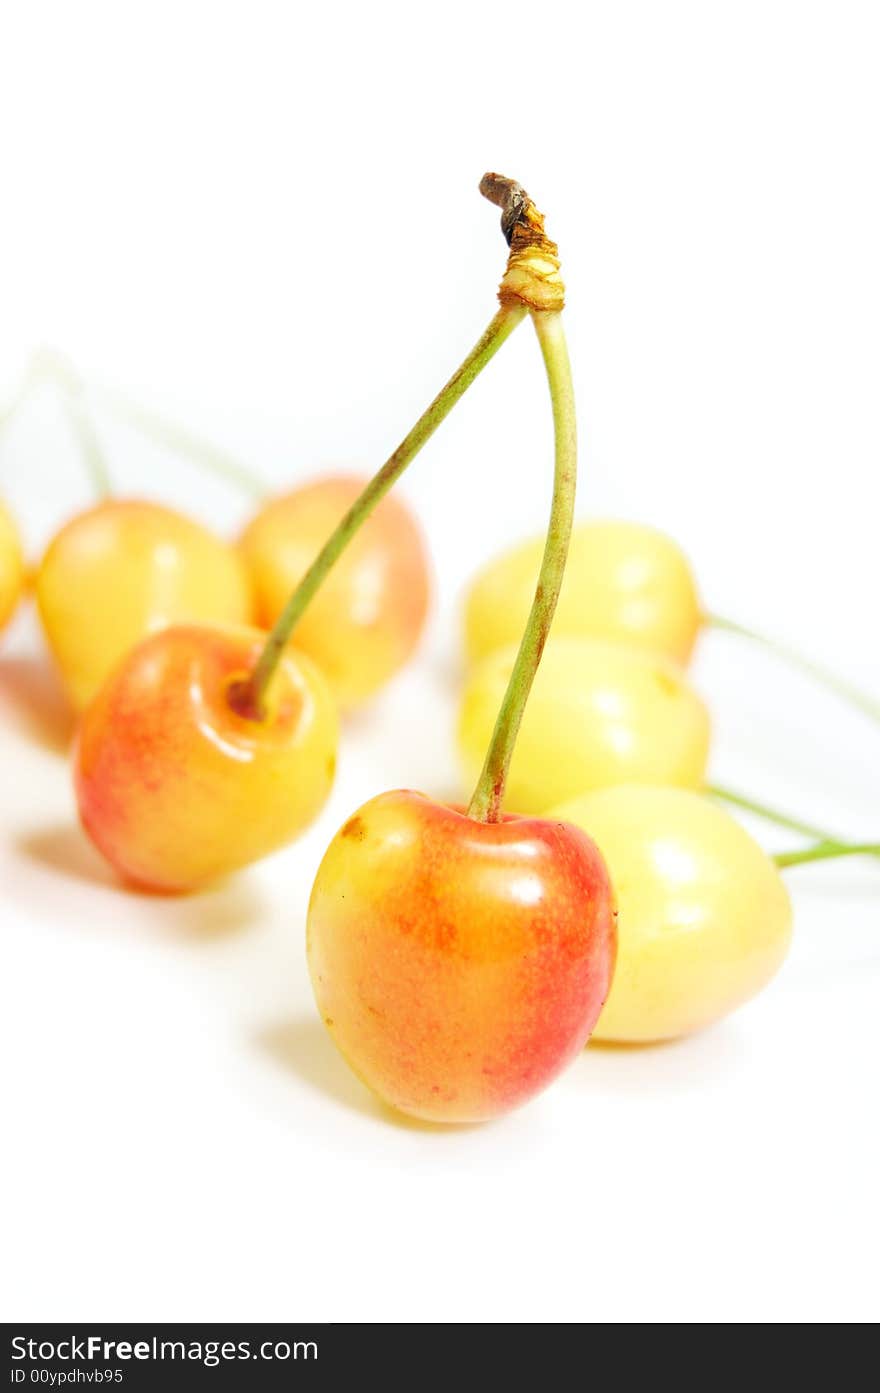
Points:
x=458 y=965
x=12 y=568
x=626 y=582
x=123 y=569
x=460 y=960
x=369 y=613
x=704 y=920
x=600 y=713
x=623 y=581
x=175 y=784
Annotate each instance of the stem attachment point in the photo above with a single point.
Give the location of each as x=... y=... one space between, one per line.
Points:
x=532 y=277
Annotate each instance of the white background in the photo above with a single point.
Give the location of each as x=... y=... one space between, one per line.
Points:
x=264 y=219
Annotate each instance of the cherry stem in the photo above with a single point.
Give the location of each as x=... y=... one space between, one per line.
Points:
x=11 y=408
x=172 y=436
x=751 y=805
x=83 y=427
x=248 y=696
x=864 y=701
x=57 y=367
x=793 y=824
x=826 y=851
x=48 y=365
x=485 y=805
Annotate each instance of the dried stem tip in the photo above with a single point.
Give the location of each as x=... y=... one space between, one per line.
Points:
x=532 y=277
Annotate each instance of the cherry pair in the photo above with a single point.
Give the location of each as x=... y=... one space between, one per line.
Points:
x=460 y=959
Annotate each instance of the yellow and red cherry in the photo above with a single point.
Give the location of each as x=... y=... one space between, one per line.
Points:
x=366 y=619
x=124 y=569
x=460 y=959
x=12 y=567
x=599 y=714
x=459 y=965
x=178 y=784
x=623 y=581
x=704 y=920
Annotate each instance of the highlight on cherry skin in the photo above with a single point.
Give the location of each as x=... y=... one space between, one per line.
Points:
x=366 y=619
x=623 y=581
x=174 y=785
x=459 y=965
x=599 y=713
x=126 y=568
x=12 y=568
x=704 y=919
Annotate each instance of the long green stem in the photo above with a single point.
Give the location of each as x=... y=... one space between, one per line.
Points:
x=87 y=439
x=793 y=824
x=169 y=435
x=249 y=695
x=751 y=805
x=48 y=365
x=864 y=701
x=826 y=851
x=486 y=802
x=11 y=408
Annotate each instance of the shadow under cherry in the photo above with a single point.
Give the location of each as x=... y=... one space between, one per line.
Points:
x=32 y=695
x=218 y=911
x=64 y=850
x=659 y=1068
x=303 y=1047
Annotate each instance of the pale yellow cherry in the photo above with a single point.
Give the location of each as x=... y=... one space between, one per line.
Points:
x=704 y=920
x=12 y=569
x=367 y=618
x=623 y=581
x=125 y=569
x=599 y=714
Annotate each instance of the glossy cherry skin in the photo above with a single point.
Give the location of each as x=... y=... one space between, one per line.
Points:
x=623 y=581
x=12 y=571
x=599 y=714
x=173 y=786
x=366 y=619
x=459 y=965
x=704 y=918
x=121 y=571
